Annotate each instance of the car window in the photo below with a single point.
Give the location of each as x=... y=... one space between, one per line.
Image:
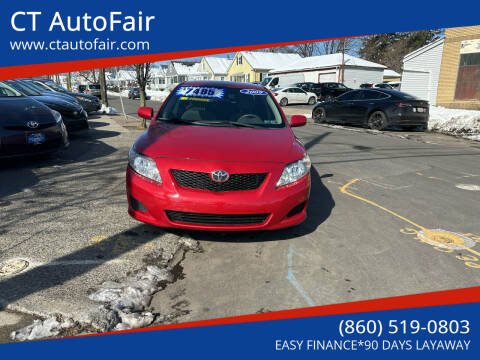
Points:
x=7 y=91
x=22 y=88
x=347 y=96
x=341 y=86
x=219 y=106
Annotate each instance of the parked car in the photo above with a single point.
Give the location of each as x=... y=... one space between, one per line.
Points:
x=89 y=103
x=73 y=115
x=375 y=108
x=324 y=91
x=366 y=86
x=93 y=89
x=396 y=85
x=383 y=86
x=219 y=156
x=48 y=92
x=134 y=93
x=294 y=95
x=28 y=127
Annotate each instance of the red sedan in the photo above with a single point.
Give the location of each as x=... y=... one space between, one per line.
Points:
x=219 y=156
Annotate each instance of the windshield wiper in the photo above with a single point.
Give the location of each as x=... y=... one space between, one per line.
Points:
x=181 y=121
x=238 y=124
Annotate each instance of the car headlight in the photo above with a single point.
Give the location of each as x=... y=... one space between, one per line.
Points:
x=295 y=171
x=144 y=166
x=57 y=116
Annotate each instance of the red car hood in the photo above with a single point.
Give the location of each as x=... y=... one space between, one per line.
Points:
x=219 y=143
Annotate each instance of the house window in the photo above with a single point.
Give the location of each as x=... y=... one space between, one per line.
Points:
x=239 y=60
x=222 y=78
x=468 y=77
x=247 y=78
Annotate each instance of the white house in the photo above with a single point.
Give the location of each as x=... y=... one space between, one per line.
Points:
x=124 y=79
x=158 y=77
x=421 y=69
x=328 y=68
x=180 y=71
x=217 y=67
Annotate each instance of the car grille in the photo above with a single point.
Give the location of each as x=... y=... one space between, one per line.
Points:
x=216 y=219
x=202 y=181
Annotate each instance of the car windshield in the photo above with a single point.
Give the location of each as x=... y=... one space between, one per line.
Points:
x=222 y=106
x=21 y=87
x=55 y=86
x=7 y=91
x=265 y=81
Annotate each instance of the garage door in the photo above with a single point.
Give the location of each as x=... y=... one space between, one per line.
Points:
x=416 y=83
x=327 y=77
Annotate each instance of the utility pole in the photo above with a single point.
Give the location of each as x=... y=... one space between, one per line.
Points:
x=69 y=81
x=103 y=86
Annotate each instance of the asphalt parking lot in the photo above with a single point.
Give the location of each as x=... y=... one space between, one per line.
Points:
x=390 y=213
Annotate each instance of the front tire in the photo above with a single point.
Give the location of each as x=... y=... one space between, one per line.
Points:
x=311 y=101
x=319 y=115
x=284 y=102
x=377 y=120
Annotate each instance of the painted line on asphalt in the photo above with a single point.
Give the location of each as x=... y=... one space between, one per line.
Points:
x=291 y=276
x=442 y=240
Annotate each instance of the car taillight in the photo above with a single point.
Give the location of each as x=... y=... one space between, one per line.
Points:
x=402 y=105
x=275 y=94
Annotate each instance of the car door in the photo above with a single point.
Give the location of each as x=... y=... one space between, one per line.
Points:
x=337 y=109
x=363 y=102
x=302 y=96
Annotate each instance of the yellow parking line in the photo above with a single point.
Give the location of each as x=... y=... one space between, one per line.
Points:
x=344 y=190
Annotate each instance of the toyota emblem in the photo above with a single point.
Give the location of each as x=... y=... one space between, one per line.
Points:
x=32 y=124
x=219 y=176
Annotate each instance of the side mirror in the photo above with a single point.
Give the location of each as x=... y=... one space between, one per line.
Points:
x=145 y=112
x=298 y=120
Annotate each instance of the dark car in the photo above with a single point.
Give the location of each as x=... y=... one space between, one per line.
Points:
x=48 y=92
x=375 y=108
x=324 y=91
x=28 y=127
x=89 y=103
x=134 y=93
x=74 y=117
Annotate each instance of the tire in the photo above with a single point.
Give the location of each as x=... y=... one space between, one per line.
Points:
x=319 y=115
x=311 y=101
x=284 y=102
x=377 y=120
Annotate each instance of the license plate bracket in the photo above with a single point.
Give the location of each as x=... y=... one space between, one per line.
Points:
x=36 y=138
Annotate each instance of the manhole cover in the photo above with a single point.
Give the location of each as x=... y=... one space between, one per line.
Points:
x=13 y=267
x=446 y=239
x=470 y=187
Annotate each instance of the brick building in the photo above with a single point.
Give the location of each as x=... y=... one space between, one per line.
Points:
x=459 y=79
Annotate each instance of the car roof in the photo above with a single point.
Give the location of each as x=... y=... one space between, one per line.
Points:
x=229 y=84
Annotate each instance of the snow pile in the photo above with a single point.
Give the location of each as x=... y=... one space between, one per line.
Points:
x=465 y=123
x=125 y=301
x=41 y=329
x=108 y=110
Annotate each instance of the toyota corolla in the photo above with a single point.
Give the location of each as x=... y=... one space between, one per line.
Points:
x=219 y=156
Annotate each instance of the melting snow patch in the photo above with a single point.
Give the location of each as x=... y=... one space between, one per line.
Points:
x=128 y=299
x=108 y=110
x=41 y=329
x=465 y=123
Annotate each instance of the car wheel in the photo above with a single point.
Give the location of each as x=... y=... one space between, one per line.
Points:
x=284 y=102
x=377 y=120
x=319 y=115
x=311 y=101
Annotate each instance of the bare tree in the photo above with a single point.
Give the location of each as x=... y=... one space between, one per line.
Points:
x=69 y=81
x=336 y=46
x=89 y=75
x=143 y=77
x=103 y=86
x=306 y=50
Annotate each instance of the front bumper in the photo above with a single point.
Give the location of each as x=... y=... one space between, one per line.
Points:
x=285 y=206
x=77 y=123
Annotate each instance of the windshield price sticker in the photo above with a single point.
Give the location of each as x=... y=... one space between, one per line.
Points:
x=253 y=92
x=200 y=91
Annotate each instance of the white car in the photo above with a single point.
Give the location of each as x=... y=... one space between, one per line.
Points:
x=294 y=95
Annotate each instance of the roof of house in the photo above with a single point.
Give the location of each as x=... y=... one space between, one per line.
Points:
x=268 y=60
x=184 y=68
x=219 y=65
x=391 y=73
x=421 y=50
x=326 y=61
